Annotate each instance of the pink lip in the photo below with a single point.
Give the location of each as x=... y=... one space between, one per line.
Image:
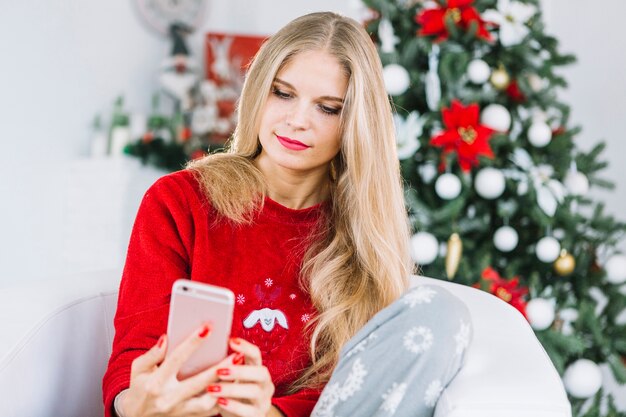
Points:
x=291 y=144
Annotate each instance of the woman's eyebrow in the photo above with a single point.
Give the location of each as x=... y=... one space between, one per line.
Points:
x=279 y=81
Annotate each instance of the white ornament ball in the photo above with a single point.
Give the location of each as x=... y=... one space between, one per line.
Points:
x=427 y=171
x=576 y=183
x=396 y=79
x=505 y=239
x=540 y=313
x=536 y=83
x=539 y=134
x=424 y=248
x=496 y=117
x=448 y=186
x=548 y=249
x=616 y=269
x=583 y=378
x=489 y=183
x=478 y=71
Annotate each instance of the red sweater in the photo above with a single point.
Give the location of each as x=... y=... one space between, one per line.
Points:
x=175 y=236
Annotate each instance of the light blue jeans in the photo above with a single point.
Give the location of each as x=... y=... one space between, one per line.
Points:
x=401 y=360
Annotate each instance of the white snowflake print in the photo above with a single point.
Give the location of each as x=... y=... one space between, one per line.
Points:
x=412 y=345
x=419 y=295
x=241 y=299
x=335 y=392
x=305 y=317
x=354 y=382
x=269 y=282
x=360 y=347
x=432 y=393
x=462 y=338
x=292 y=296
x=393 y=397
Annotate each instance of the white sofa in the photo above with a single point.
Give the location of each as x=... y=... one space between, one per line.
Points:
x=55 y=339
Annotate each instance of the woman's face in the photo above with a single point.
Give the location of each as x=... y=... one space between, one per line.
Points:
x=299 y=128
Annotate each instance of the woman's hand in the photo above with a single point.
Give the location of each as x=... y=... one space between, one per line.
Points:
x=155 y=391
x=245 y=388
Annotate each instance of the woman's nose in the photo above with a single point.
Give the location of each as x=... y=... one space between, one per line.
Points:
x=298 y=116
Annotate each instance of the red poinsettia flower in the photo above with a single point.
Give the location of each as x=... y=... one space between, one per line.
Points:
x=433 y=20
x=515 y=93
x=508 y=290
x=463 y=134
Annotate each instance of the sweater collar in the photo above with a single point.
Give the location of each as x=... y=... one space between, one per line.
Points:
x=277 y=211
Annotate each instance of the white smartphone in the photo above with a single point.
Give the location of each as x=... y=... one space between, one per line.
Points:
x=192 y=305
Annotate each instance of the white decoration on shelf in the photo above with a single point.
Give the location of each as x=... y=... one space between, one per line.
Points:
x=511 y=17
x=583 y=378
x=120 y=137
x=539 y=134
x=547 y=249
x=616 y=269
x=433 y=83
x=540 y=313
x=396 y=79
x=478 y=71
x=489 y=183
x=497 y=117
x=387 y=36
x=505 y=239
x=424 y=248
x=407 y=132
x=203 y=119
x=448 y=186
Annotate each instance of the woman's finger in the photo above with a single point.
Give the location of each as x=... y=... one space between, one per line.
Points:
x=205 y=405
x=198 y=383
x=251 y=352
x=251 y=392
x=244 y=373
x=179 y=356
x=151 y=358
x=237 y=408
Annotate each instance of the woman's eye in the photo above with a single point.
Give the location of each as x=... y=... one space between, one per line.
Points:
x=330 y=110
x=280 y=94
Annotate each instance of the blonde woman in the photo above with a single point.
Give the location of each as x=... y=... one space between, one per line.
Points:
x=303 y=219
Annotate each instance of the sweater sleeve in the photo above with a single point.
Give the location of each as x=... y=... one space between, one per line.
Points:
x=158 y=254
x=299 y=404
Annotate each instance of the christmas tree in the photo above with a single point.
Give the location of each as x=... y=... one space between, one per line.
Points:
x=496 y=189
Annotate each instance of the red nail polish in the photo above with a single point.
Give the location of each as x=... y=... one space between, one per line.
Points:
x=204 y=332
x=222 y=401
x=238 y=359
x=223 y=371
x=213 y=388
x=235 y=340
x=160 y=342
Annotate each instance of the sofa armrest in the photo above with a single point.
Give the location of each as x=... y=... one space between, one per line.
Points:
x=56 y=340
x=507 y=373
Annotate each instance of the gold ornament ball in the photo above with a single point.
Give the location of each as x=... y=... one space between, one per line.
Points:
x=500 y=78
x=565 y=263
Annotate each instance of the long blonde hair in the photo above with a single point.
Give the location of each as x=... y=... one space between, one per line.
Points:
x=361 y=263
